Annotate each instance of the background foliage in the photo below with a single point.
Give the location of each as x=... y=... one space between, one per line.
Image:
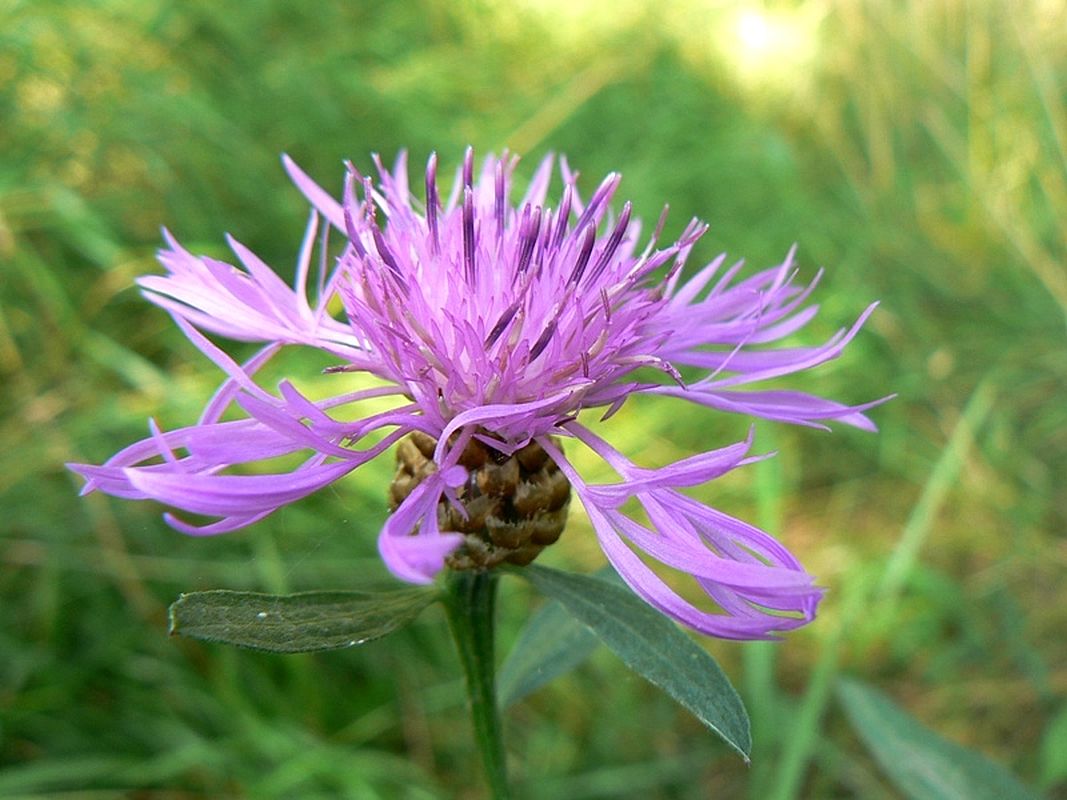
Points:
x=917 y=150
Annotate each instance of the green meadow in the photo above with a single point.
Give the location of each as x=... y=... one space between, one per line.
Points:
x=916 y=151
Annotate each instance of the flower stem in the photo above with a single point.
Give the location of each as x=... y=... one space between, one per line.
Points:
x=469 y=602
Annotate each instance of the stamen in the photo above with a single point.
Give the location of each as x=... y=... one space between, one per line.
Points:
x=468 y=167
x=500 y=195
x=528 y=230
x=385 y=252
x=583 y=256
x=543 y=340
x=562 y=216
x=468 y=233
x=502 y=323
x=661 y=222
x=351 y=202
x=432 y=202
x=600 y=197
x=613 y=242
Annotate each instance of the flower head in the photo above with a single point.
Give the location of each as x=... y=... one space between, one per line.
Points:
x=493 y=324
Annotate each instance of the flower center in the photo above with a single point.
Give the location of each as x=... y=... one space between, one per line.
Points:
x=516 y=505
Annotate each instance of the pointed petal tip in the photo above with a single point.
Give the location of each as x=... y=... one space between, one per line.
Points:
x=83 y=471
x=224 y=525
x=419 y=558
x=292 y=169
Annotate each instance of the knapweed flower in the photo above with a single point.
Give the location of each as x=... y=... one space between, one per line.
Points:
x=493 y=324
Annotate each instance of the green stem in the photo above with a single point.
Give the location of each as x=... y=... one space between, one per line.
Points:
x=469 y=602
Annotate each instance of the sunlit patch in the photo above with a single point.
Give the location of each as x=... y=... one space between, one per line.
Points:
x=771 y=50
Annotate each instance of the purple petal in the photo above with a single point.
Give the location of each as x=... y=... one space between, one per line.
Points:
x=798 y=408
x=315 y=194
x=757 y=583
x=690 y=471
x=224 y=525
x=232 y=495
x=252 y=305
x=410 y=544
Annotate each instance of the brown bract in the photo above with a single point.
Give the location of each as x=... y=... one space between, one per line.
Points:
x=516 y=505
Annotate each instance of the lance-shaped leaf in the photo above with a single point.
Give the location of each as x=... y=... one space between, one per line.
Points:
x=551 y=644
x=295 y=623
x=920 y=763
x=651 y=645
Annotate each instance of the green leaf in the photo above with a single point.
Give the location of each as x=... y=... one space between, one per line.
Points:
x=651 y=645
x=1054 y=750
x=552 y=644
x=920 y=763
x=295 y=623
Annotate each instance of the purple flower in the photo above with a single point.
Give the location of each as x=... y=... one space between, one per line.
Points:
x=495 y=323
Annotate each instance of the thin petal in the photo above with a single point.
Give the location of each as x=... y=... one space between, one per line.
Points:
x=410 y=544
x=230 y=495
x=798 y=408
x=758 y=596
x=322 y=200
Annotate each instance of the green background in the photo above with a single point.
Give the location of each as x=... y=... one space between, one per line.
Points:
x=916 y=150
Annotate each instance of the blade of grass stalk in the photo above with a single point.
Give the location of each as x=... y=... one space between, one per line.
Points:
x=171 y=764
x=47 y=288
x=272 y=569
x=1048 y=93
x=136 y=370
x=803 y=733
x=10 y=358
x=112 y=550
x=86 y=232
x=45 y=775
x=935 y=490
x=1025 y=242
x=622 y=781
x=840 y=771
x=559 y=107
x=433 y=699
x=758 y=658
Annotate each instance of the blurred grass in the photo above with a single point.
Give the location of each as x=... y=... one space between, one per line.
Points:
x=917 y=150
